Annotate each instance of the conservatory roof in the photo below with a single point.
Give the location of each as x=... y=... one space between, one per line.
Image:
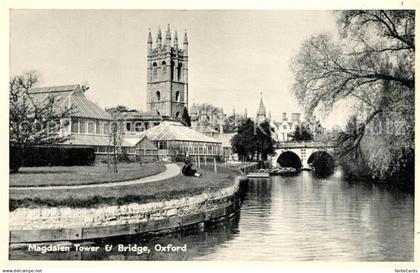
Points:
x=93 y=140
x=175 y=131
x=70 y=95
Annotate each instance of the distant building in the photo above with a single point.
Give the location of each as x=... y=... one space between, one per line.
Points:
x=315 y=127
x=225 y=138
x=286 y=128
x=261 y=113
x=207 y=116
x=174 y=140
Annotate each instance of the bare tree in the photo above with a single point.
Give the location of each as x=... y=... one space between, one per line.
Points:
x=33 y=122
x=371 y=67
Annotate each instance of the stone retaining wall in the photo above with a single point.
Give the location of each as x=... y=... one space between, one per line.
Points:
x=44 y=223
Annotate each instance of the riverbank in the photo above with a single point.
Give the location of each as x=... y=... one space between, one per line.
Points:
x=167 y=189
x=167 y=204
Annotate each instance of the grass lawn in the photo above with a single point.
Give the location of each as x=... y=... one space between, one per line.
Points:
x=176 y=187
x=77 y=175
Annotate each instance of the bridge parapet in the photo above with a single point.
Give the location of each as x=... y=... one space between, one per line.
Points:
x=305 y=144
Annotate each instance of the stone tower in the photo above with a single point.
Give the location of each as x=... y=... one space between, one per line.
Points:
x=167 y=75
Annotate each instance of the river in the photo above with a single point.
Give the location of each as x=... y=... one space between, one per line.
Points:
x=298 y=218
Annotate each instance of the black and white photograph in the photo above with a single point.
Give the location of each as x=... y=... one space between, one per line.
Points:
x=211 y=135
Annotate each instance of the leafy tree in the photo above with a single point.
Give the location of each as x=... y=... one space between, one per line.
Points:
x=118 y=109
x=302 y=133
x=263 y=139
x=370 y=67
x=232 y=123
x=186 y=119
x=252 y=139
x=33 y=121
x=243 y=142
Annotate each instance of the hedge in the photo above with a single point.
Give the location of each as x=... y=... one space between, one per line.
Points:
x=53 y=156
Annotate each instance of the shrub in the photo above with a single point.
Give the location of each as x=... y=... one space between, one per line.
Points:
x=52 y=156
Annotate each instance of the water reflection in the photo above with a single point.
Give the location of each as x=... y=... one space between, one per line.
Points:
x=299 y=218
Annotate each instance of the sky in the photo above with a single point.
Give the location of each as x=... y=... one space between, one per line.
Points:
x=234 y=56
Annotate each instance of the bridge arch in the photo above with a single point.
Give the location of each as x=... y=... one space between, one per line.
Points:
x=322 y=162
x=289 y=159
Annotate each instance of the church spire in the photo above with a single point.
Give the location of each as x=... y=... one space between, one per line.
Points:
x=261 y=108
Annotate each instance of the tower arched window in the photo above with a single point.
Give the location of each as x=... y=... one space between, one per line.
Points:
x=163 y=67
x=158 y=95
x=155 y=72
x=138 y=127
x=177 y=96
x=177 y=114
x=179 y=72
x=172 y=70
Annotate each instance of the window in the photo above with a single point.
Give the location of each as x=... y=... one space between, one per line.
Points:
x=158 y=95
x=91 y=127
x=179 y=72
x=177 y=114
x=106 y=128
x=162 y=145
x=82 y=126
x=128 y=126
x=172 y=70
x=98 y=127
x=155 y=70
x=75 y=126
x=163 y=67
x=138 y=127
x=177 y=96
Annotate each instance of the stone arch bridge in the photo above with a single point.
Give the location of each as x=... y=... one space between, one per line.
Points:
x=302 y=149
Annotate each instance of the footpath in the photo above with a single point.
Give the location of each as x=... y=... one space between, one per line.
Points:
x=171 y=171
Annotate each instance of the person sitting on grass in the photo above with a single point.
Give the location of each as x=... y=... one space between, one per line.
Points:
x=187 y=169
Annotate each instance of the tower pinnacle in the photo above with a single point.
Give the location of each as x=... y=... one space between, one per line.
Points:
x=159 y=38
x=168 y=37
x=185 y=38
x=176 y=39
x=149 y=39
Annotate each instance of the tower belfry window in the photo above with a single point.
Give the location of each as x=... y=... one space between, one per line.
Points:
x=155 y=70
x=163 y=67
x=179 y=72
x=172 y=70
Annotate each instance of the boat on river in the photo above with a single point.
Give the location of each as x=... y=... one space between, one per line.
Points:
x=283 y=171
x=261 y=173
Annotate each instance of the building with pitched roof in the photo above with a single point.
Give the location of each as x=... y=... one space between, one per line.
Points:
x=175 y=140
x=89 y=125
